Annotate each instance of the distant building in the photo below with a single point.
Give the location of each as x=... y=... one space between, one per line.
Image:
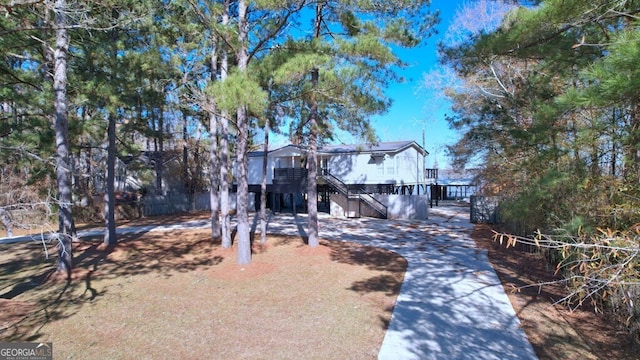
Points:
x=450 y=184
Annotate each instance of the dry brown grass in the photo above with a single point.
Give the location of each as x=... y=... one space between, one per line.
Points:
x=177 y=295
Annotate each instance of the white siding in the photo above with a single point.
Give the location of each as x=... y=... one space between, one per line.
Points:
x=401 y=207
x=286 y=157
x=409 y=167
x=404 y=167
x=354 y=168
x=255 y=171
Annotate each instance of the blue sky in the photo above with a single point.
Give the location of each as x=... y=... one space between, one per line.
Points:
x=416 y=110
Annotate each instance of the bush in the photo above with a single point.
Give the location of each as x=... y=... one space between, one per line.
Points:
x=601 y=269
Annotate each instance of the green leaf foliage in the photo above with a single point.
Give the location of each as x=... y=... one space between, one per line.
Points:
x=239 y=89
x=553 y=90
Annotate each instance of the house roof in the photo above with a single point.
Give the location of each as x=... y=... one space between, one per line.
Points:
x=260 y=153
x=382 y=147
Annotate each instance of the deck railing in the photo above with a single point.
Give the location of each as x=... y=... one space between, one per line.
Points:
x=289 y=175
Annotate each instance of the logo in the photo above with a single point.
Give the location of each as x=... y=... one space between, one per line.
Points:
x=26 y=351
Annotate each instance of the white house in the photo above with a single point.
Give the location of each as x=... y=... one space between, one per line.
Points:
x=385 y=180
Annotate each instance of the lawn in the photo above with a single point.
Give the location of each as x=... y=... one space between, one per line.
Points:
x=177 y=294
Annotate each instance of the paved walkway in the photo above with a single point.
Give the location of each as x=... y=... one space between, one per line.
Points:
x=451 y=304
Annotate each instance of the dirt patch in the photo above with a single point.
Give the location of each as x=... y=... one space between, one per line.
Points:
x=13 y=311
x=177 y=294
x=554 y=331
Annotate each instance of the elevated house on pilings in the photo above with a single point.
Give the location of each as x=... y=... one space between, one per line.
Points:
x=385 y=180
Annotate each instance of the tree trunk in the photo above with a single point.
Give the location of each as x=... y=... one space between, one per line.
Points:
x=110 y=238
x=244 y=241
x=225 y=226
x=214 y=180
x=632 y=166
x=263 y=186
x=312 y=158
x=160 y=152
x=197 y=180
x=187 y=183
x=242 y=194
x=7 y=222
x=312 y=167
x=89 y=184
x=66 y=228
x=84 y=162
x=614 y=144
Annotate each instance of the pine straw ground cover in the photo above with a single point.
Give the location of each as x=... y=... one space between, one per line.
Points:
x=178 y=295
x=554 y=331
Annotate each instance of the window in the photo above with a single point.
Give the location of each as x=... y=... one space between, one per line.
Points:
x=391 y=166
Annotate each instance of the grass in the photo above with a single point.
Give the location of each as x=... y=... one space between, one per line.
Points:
x=177 y=294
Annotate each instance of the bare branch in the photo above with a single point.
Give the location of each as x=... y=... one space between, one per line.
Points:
x=600 y=268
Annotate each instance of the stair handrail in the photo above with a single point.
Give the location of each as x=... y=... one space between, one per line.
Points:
x=341 y=186
x=374 y=203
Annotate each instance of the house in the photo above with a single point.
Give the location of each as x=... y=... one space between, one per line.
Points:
x=382 y=180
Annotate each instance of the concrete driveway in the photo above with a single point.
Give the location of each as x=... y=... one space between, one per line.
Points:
x=451 y=304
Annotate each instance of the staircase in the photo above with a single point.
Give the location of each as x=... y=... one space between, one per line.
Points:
x=358 y=197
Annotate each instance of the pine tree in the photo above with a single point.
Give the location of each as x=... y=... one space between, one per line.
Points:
x=349 y=60
x=242 y=94
x=66 y=229
x=542 y=113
